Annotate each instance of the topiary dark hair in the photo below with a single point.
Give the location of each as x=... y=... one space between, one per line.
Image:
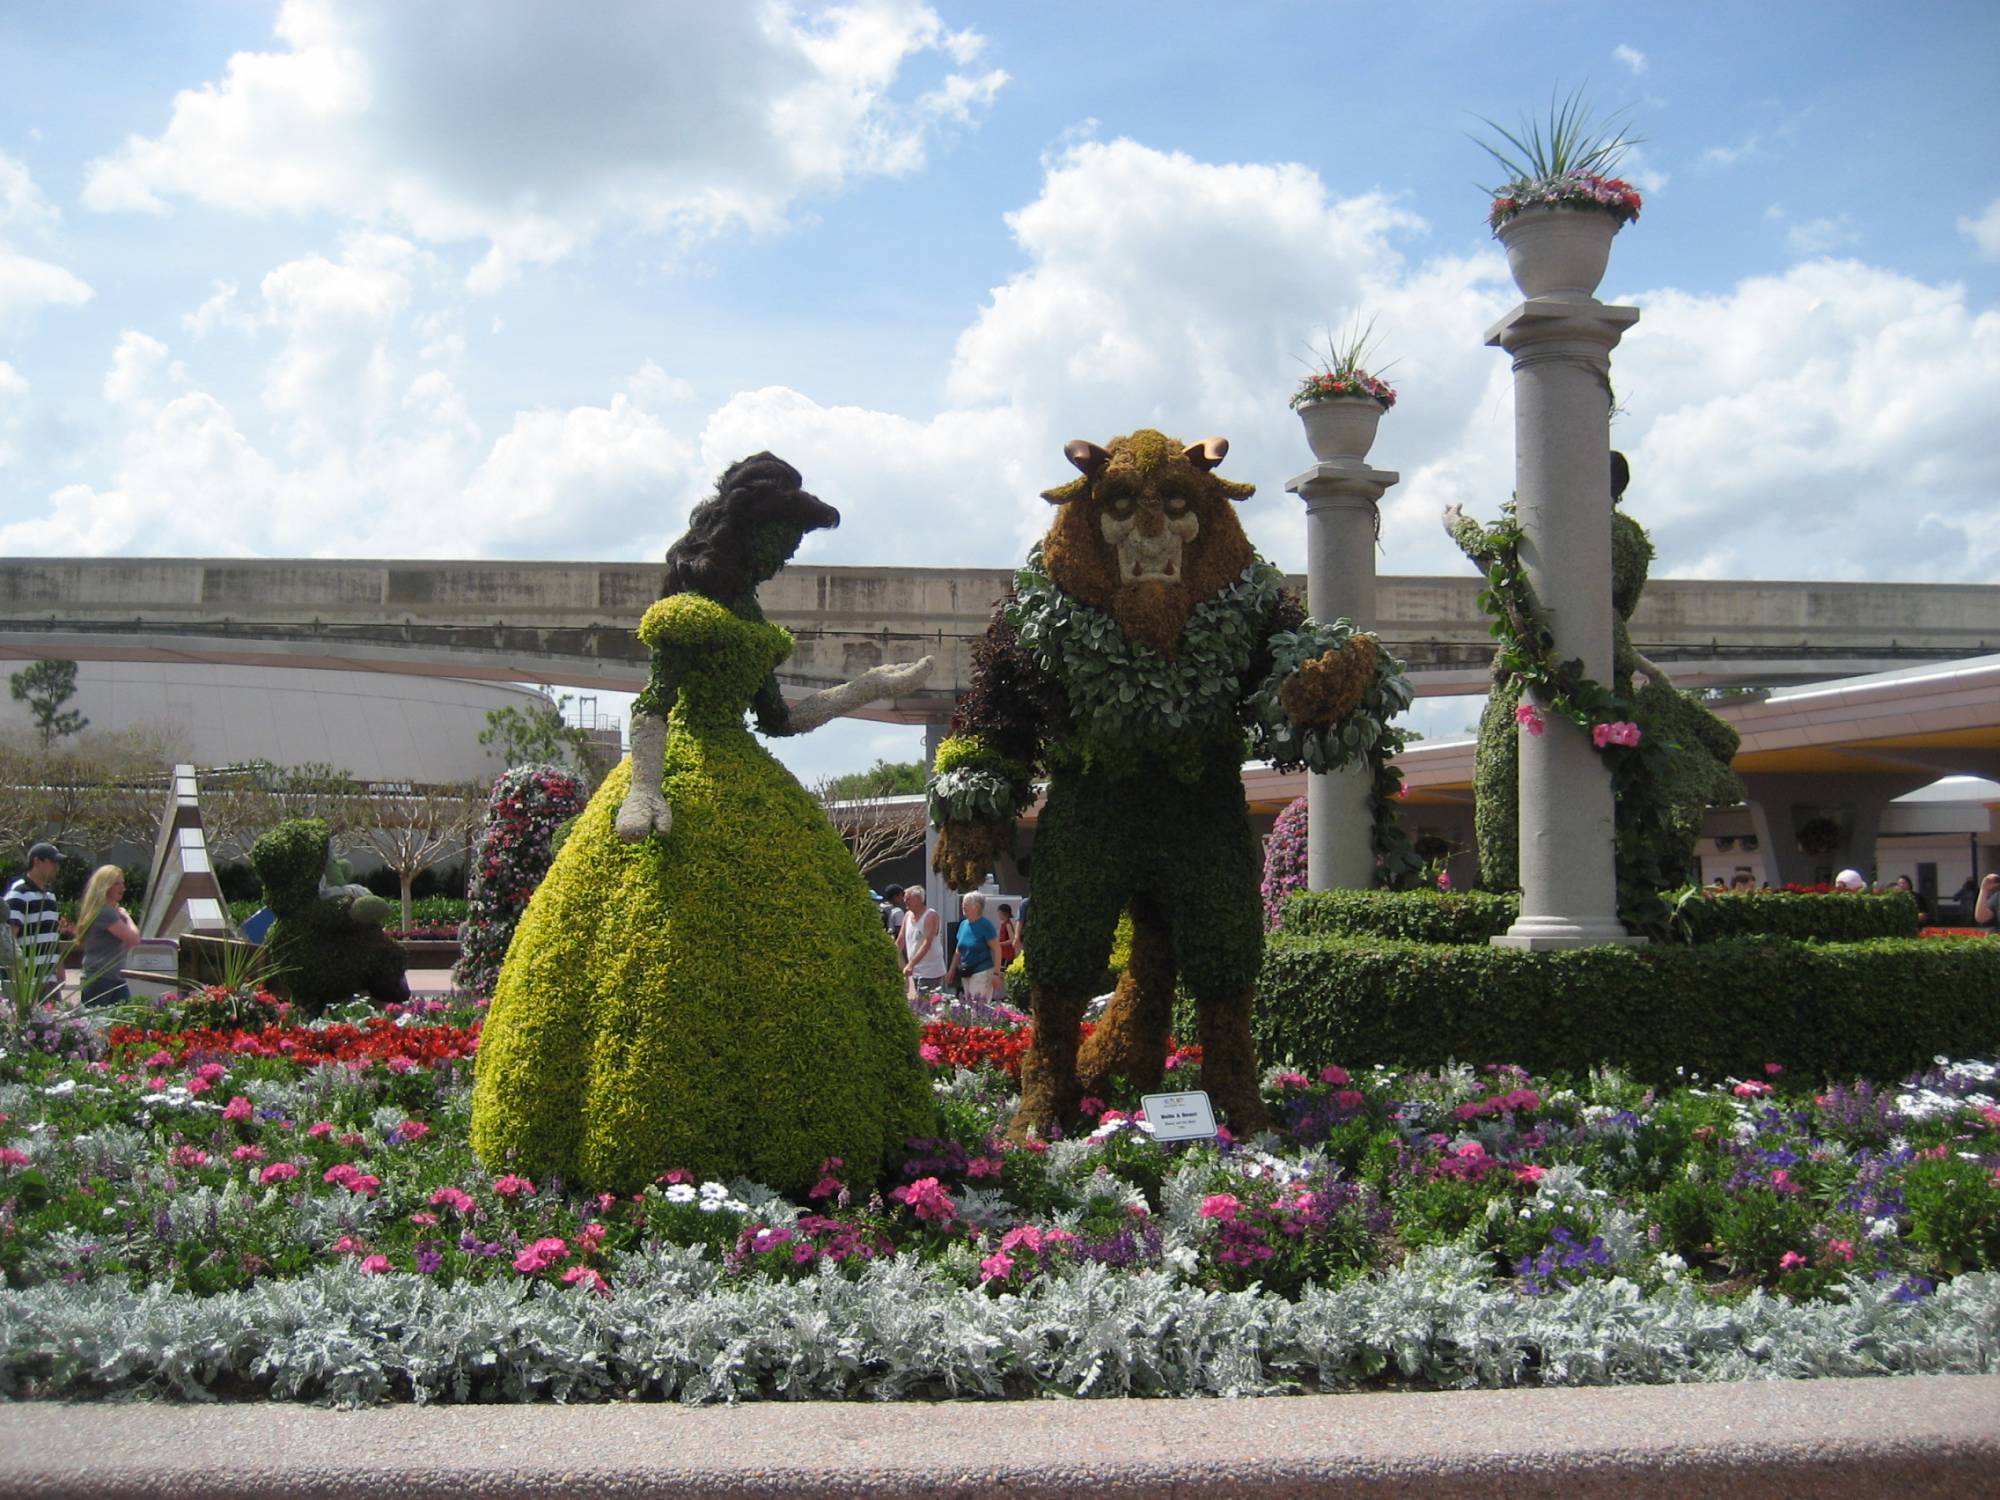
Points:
x=721 y=555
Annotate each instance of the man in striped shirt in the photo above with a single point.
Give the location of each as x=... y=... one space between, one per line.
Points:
x=32 y=918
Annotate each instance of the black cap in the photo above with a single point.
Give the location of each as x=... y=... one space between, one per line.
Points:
x=44 y=851
x=894 y=893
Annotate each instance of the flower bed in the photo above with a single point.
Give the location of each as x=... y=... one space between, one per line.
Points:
x=283 y=1210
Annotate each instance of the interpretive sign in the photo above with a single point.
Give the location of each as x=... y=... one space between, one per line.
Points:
x=1179 y=1117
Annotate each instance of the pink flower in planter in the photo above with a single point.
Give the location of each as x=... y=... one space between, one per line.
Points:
x=1620 y=732
x=1529 y=718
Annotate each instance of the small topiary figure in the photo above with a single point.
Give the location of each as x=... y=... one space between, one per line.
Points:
x=327 y=947
x=702 y=981
x=516 y=847
x=1698 y=776
x=1144 y=650
x=1284 y=862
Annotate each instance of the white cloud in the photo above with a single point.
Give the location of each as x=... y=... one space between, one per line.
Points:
x=28 y=283
x=1750 y=148
x=1984 y=230
x=504 y=121
x=13 y=393
x=139 y=365
x=1631 y=57
x=1820 y=236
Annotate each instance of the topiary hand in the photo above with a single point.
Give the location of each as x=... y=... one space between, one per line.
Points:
x=645 y=809
x=1328 y=688
x=966 y=851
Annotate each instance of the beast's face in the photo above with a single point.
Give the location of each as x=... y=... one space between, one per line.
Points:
x=1148 y=533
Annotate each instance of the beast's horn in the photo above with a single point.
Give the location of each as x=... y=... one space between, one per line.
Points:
x=1087 y=456
x=1207 y=453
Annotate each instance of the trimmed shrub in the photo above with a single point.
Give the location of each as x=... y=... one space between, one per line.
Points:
x=527 y=804
x=1426 y=916
x=325 y=953
x=1879 y=1009
x=1417 y=916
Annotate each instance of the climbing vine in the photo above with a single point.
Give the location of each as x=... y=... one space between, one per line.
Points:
x=1560 y=688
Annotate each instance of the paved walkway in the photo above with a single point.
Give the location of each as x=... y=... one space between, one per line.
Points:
x=1912 y=1437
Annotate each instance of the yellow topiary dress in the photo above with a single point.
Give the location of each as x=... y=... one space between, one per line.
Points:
x=723 y=998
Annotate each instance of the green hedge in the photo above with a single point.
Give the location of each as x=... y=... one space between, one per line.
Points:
x=1474 y=916
x=1877 y=1009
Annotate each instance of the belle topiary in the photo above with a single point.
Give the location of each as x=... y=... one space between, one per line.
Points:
x=1284 y=862
x=1143 y=647
x=528 y=805
x=702 y=981
x=325 y=948
x=1660 y=805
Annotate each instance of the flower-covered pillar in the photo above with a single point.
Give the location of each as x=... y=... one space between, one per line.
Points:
x=1341 y=496
x=1561 y=345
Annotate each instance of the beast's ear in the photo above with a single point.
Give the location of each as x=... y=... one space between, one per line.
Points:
x=1207 y=453
x=1621 y=475
x=1088 y=457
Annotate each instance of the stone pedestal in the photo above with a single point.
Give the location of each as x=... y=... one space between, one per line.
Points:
x=936 y=892
x=1341 y=497
x=1562 y=463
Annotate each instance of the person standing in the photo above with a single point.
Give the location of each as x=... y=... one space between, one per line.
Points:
x=33 y=920
x=1986 y=911
x=920 y=942
x=972 y=957
x=106 y=933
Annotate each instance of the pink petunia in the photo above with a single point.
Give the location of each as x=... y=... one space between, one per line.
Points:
x=996 y=1267
x=451 y=1198
x=590 y=1277
x=1335 y=1075
x=237 y=1108
x=512 y=1186
x=188 y=1156
x=278 y=1171
x=1222 y=1206
x=319 y=1128
x=11 y=1156
x=247 y=1153
x=539 y=1256
x=1529 y=718
x=374 y=1265
x=1791 y=1260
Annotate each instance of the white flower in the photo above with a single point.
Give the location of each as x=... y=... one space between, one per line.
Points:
x=58 y=1090
x=714 y=1191
x=680 y=1192
x=709 y=1205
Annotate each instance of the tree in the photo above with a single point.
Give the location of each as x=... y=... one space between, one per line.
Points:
x=238 y=803
x=411 y=830
x=877 y=826
x=45 y=687
x=540 y=736
x=886 y=778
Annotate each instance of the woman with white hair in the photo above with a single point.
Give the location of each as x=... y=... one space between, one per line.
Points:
x=972 y=960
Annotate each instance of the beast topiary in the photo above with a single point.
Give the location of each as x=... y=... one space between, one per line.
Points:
x=702 y=981
x=516 y=847
x=325 y=948
x=1662 y=794
x=1143 y=649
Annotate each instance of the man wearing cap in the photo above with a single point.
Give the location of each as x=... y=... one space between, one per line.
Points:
x=32 y=919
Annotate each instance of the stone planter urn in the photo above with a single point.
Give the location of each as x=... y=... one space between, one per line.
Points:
x=1343 y=427
x=1557 y=252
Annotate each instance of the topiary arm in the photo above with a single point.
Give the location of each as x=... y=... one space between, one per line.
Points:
x=776 y=717
x=983 y=779
x=645 y=809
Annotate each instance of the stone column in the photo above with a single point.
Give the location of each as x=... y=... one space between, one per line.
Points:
x=1341 y=496
x=1562 y=463
x=935 y=890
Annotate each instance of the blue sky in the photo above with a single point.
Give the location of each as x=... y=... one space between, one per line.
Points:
x=489 y=279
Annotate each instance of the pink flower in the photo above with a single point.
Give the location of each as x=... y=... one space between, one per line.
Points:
x=1840 y=1250
x=412 y=1130
x=996 y=1267
x=374 y=1265
x=188 y=1156
x=1773 y=1069
x=352 y=1178
x=512 y=1186
x=928 y=1200
x=930 y=1055
x=451 y=1198
x=1529 y=718
x=1619 y=732
x=1444 y=880
x=1751 y=1089
x=248 y=1153
x=539 y=1256
x=278 y=1171
x=237 y=1108
x=1528 y=1174
x=1290 y=1079
x=347 y=1244
x=160 y=1059
x=1221 y=1206
x=1337 y=1076
x=1469 y=1149
x=319 y=1128
x=589 y=1277
x=11 y=1156
x=423 y=1220
x=1023 y=1237
x=1791 y=1260
x=1090 y=1106
x=400 y=1065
